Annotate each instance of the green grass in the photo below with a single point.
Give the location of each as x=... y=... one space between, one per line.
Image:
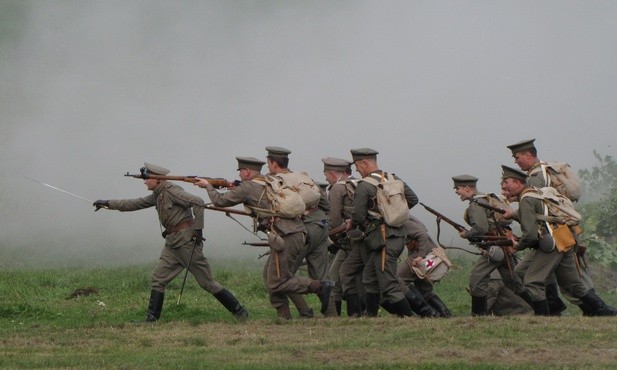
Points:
x=42 y=326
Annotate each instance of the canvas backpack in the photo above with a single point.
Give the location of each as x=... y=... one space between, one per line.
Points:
x=285 y=202
x=391 y=200
x=560 y=217
x=560 y=176
x=304 y=185
x=559 y=208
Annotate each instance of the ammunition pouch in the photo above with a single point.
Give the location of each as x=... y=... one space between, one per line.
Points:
x=563 y=237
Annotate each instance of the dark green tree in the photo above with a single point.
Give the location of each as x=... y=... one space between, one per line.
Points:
x=599 y=211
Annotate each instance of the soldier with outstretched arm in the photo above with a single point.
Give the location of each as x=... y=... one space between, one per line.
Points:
x=182 y=216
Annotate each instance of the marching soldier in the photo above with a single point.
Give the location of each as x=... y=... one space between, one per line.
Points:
x=315 y=220
x=482 y=224
x=525 y=155
x=182 y=216
x=279 y=278
x=384 y=243
x=544 y=259
x=341 y=186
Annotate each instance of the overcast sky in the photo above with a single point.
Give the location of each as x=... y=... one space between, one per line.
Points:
x=91 y=89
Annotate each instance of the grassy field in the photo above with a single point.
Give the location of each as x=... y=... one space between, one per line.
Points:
x=43 y=324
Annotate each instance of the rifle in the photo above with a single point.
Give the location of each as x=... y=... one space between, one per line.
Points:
x=494 y=209
x=480 y=238
x=337 y=230
x=260 y=244
x=489 y=243
x=216 y=182
x=256 y=244
x=227 y=210
x=458 y=227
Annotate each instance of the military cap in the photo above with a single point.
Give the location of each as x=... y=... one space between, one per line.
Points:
x=523 y=145
x=507 y=172
x=156 y=170
x=464 y=180
x=251 y=163
x=335 y=164
x=277 y=151
x=363 y=153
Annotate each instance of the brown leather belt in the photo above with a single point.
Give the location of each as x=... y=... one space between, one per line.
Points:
x=182 y=225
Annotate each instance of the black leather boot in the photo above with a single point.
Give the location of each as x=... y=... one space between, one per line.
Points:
x=555 y=305
x=325 y=289
x=526 y=297
x=402 y=308
x=418 y=304
x=372 y=304
x=438 y=305
x=155 y=305
x=231 y=304
x=354 y=308
x=478 y=306
x=338 y=305
x=597 y=305
x=540 y=308
x=585 y=309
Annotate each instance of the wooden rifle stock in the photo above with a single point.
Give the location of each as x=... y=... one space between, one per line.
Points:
x=458 y=227
x=337 y=230
x=216 y=182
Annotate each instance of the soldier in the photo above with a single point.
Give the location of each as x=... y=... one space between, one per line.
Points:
x=315 y=221
x=384 y=243
x=279 y=278
x=482 y=224
x=525 y=156
x=182 y=216
x=502 y=301
x=419 y=245
x=544 y=259
x=341 y=186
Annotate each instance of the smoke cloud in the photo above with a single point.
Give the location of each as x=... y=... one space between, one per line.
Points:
x=92 y=89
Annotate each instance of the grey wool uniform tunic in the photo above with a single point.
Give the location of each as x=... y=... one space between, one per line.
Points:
x=179 y=213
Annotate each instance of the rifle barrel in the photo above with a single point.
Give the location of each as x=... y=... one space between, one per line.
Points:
x=217 y=183
x=494 y=209
x=257 y=244
x=457 y=226
x=489 y=243
x=227 y=210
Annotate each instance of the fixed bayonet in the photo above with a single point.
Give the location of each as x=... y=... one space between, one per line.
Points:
x=61 y=190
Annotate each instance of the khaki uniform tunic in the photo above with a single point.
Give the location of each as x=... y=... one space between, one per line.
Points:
x=536 y=179
x=374 y=279
x=481 y=223
x=542 y=264
x=175 y=207
x=279 y=285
